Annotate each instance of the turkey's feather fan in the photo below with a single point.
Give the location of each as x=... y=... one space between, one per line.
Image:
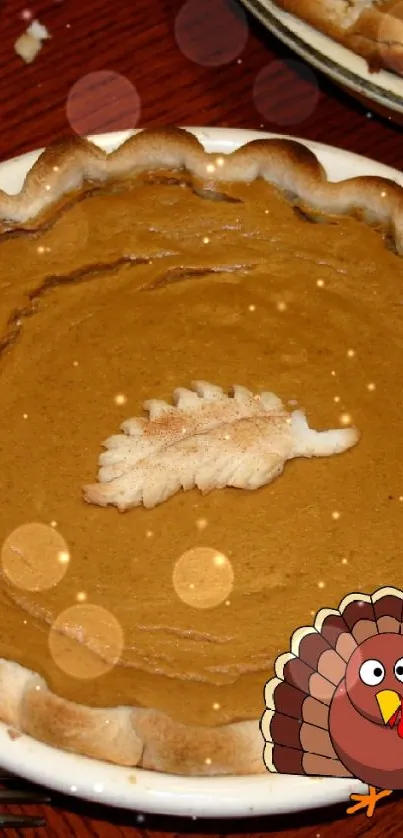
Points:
x=388 y=609
x=336 y=631
x=358 y=612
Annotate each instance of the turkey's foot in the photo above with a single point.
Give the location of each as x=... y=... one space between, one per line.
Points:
x=367 y=801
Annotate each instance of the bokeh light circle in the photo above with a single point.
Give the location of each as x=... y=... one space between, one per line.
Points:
x=286 y=92
x=86 y=641
x=211 y=33
x=203 y=577
x=35 y=557
x=102 y=101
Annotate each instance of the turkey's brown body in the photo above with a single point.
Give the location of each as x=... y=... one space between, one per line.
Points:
x=372 y=752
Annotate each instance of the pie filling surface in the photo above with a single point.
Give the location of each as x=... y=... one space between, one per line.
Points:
x=124 y=294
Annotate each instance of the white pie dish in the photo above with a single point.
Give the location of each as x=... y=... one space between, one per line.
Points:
x=146 y=791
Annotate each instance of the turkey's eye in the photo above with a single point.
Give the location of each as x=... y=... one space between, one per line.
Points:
x=398 y=669
x=373 y=672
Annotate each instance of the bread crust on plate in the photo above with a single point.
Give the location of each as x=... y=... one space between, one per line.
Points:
x=134 y=736
x=369 y=28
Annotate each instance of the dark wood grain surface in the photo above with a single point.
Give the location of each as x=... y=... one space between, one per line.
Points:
x=111 y=65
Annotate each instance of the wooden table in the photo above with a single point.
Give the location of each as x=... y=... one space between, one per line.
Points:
x=112 y=65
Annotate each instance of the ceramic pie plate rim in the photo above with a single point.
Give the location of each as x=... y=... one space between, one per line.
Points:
x=147 y=791
x=335 y=60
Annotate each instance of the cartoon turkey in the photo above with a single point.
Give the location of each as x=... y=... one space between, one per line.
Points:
x=334 y=707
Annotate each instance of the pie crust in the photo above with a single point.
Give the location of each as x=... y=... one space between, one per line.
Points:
x=135 y=736
x=369 y=28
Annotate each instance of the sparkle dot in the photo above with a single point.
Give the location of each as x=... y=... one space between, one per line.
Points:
x=345 y=419
x=401 y=498
x=81 y=596
x=206 y=240
x=336 y=399
x=201 y=523
x=252 y=308
x=208 y=761
x=335 y=515
x=75 y=363
x=55 y=168
x=320 y=283
x=333 y=372
x=47 y=187
x=281 y=306
x=120 y=399
x=149 y=533
x=73 y=788
x=350 y=353
x=210 y=168
x=383 y=194
x=344 y=561
x=220 y=161
x=216 y=705
x=371 y=386
x=63 y=557
x=25 y=416
x=40 y=249
x=53 y=523
x=321 y=584
x=312 y=613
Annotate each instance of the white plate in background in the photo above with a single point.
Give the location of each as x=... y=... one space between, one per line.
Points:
x=384 y=89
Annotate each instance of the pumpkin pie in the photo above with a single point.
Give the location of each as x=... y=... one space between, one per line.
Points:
x=138 y=288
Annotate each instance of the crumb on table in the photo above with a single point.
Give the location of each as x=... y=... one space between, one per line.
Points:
x=30 y=42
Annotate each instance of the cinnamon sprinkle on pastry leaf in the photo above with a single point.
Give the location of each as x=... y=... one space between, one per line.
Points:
x=206 y=440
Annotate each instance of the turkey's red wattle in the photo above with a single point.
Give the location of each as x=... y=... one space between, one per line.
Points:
x=393 y=719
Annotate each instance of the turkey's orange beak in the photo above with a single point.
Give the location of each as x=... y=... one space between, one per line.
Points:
x=389 y=703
